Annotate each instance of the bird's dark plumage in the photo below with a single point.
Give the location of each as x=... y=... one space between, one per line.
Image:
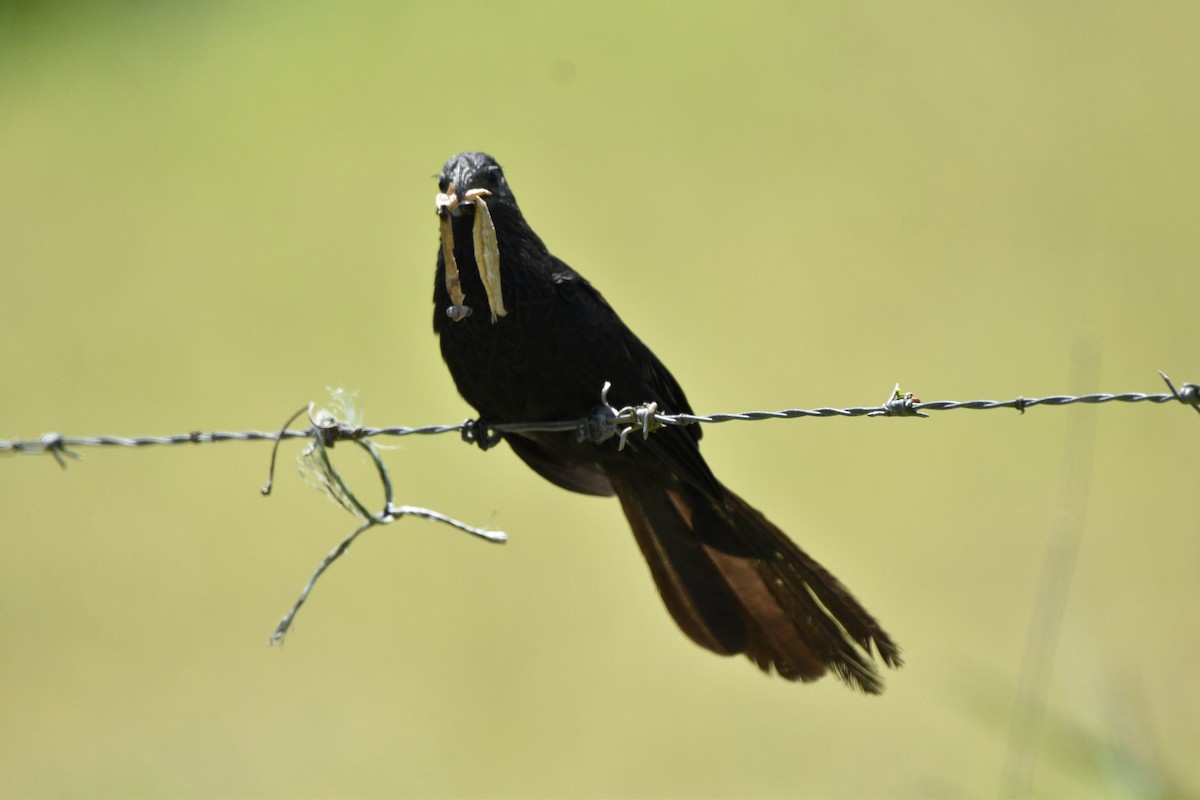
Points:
x=731 y=580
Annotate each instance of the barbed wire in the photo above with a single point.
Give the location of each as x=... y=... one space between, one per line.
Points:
x=327 y=427
x=601 y=425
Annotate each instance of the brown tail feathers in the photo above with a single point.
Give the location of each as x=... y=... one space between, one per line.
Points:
x=735 y=583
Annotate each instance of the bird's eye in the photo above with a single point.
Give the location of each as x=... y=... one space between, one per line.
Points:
x=443 y=183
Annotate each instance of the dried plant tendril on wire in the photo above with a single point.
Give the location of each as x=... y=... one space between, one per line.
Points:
x=342 y=421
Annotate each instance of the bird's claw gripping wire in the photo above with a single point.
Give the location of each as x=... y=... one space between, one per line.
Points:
x=477 y=431
x=601 y=424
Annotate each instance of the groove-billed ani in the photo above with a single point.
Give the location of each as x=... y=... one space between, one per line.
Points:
x=732 y=580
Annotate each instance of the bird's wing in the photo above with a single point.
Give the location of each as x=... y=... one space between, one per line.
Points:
x=637 y=376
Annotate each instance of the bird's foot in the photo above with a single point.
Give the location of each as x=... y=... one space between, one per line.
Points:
x=598 y=426
x=478 y=431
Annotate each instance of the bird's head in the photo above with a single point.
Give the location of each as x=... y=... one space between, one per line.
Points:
x=474 y=180
x=468 y=175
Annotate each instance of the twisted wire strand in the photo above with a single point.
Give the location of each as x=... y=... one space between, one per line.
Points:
x=1018 y=403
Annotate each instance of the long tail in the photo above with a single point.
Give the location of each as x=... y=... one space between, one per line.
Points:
x=735 y=583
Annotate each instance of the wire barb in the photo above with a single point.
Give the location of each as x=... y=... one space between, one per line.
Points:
x=55 y=445
x=1189 y=394
x=899 y=404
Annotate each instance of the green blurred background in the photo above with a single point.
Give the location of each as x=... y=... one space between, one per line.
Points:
x=210 y=212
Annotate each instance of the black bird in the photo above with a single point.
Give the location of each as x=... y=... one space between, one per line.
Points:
x=536 y=342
